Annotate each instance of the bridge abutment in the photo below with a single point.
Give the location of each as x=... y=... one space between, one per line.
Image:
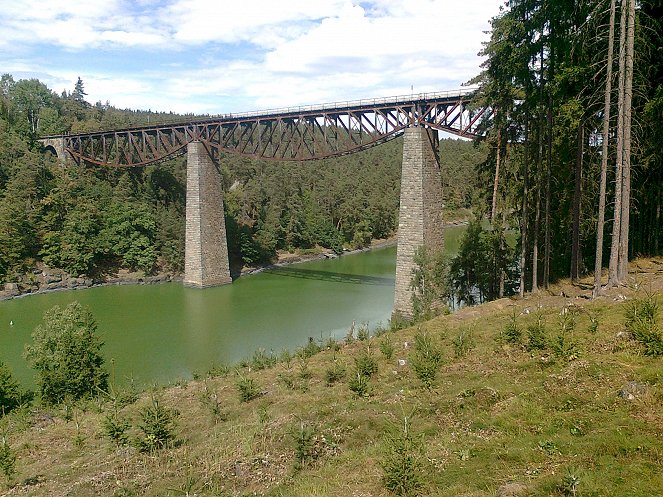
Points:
x=420 y=214
x=206 y=249
x=56 y=145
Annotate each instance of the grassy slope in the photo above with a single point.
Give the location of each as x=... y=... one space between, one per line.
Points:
x=496 y=415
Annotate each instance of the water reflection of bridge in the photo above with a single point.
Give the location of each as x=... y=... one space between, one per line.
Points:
x=312 y=274
x=294 y=134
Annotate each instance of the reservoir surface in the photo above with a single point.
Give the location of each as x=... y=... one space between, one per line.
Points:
x=156 y=334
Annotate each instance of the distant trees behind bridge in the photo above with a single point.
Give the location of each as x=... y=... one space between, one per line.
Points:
x=94 y=220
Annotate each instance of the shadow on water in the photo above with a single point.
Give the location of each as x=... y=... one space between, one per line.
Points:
x=311 y=274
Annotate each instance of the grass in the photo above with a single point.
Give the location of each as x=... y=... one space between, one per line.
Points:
x=496 y=413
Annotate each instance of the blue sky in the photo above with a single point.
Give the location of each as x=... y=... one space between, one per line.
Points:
x=202 y=56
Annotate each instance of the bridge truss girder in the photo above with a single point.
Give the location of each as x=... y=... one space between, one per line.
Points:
x=305 y=133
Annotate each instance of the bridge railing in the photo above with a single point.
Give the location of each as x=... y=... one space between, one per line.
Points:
x=347 y=104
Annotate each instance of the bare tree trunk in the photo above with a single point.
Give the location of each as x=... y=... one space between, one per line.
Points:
x=575 y=235
x=546 y=240
x=622 y=267
x=523 y=224
x=539 y=160
x=598 y=262
x=493 y=211
x=613 y=276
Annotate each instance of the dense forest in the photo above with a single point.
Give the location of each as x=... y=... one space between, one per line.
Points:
x=93 y=220
x=575 y=139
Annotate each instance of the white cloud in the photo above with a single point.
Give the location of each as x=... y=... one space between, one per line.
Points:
x=255 y=54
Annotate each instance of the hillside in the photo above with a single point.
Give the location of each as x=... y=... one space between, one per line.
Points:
x=581 y=416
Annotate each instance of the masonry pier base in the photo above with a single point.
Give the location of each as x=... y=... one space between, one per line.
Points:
x=206 y=249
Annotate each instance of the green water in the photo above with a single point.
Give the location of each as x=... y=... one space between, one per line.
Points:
x=160 y=333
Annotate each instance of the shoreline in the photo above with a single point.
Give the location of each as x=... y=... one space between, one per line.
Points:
x=56 y=280
x=62 y=282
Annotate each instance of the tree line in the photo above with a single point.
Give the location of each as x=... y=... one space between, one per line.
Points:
x=575 y=138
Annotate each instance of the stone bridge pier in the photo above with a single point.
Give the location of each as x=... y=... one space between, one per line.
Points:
x=420 y=214
x=206 y=249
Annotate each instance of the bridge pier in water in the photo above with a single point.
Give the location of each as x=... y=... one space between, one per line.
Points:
x=420 y=213
x=206 y=249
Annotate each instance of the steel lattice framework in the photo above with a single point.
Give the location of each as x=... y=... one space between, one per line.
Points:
x=293 y=134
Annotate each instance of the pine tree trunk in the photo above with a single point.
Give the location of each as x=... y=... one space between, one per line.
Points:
x=613 y=276
x=539 y=179
x=523 y=224
x=622 y=268
x=575 y=235
x=598 y=262
x=546 y=236
x=493 y=211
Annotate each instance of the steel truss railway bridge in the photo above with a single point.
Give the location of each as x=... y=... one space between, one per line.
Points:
x=294 y=134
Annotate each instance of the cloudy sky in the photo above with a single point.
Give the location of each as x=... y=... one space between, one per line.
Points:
x=218 y=56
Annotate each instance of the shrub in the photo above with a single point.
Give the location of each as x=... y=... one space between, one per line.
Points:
x=10 y=393
x=7 y=460
x=66 y=355
x=402 y=466
x=387 y=347
x=426 y=359
x=362 y=332
x=536 y=333
x=116 y=429
x=564 y=346
x=309 y=350
x=210 y=400
x=261 y=360
x=304 y=439
x=512 y=332
x=158 y=426
x=359 y=385
x=247 y=388
x=334 y=373
x=464 y=342
x=366 y=363
x=642 y=321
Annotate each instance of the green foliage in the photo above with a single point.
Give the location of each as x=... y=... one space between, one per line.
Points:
x=359 y=384
x=66 y=354
x=247 y=388
x=402 y=464
x=387 y=347
x=10 y=392
x=426 y=359
x=464 y=341
x=429 y=284
x=157 y=425
x=564 y=346
x=116 y=429
x=512 y=332
x=484 y=261
x=334 y=373
x=210 y=400
x=366 y=364
x=262 y=360
x=304 y=441
x=7 y=460
x=309 y=350
x=570 y=482
x=642 y=320
x=362 y=332
x=536 y=332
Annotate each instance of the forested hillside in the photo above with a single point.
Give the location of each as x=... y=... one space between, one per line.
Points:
x=93 y=220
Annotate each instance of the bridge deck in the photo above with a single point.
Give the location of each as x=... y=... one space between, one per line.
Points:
x=290 y=133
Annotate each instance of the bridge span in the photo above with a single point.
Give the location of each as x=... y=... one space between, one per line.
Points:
x=294 y=134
